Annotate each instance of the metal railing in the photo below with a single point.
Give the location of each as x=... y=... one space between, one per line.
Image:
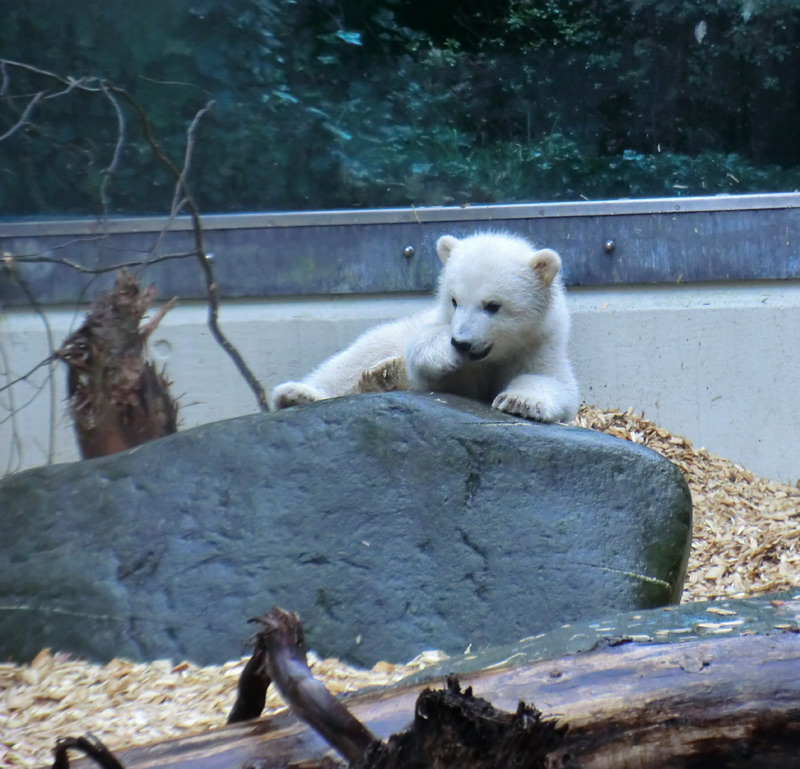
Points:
x=662 y=240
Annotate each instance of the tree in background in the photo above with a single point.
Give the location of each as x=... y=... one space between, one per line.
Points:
x=323 y=104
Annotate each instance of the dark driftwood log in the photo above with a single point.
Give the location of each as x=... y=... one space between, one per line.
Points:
x=118 y=399
x=452 y=729
x=88 y=745
x=728 y=703
x=280 y=658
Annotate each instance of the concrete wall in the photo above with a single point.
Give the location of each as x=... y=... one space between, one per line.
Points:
x=719 y=364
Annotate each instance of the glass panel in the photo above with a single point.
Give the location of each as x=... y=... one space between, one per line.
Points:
x=321 y=104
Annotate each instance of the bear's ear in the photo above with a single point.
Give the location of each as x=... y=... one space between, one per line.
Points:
x=546 y=263
x=444 y=246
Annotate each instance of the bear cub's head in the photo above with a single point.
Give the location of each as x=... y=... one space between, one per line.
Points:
x=494 y=290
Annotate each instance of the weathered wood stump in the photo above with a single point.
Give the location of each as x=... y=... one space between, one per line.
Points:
x=117 y=398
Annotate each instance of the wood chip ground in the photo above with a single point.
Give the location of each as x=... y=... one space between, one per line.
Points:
x=746 y=532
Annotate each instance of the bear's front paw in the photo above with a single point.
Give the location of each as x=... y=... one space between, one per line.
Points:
x=428 y=368
x=538 y=408
x=293 y=394
x=449 y=362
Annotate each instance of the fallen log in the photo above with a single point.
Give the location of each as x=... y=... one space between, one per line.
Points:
x=703 y=703
x=452 y=729
x=90 y=746
x=280 y=656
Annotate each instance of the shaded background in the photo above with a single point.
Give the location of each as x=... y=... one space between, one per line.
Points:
x=349 y=103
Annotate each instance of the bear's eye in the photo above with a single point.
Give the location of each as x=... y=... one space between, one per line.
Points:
x=492 y=307
x=455 y=303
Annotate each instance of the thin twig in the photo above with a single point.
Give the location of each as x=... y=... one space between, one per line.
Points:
x=70 y=82
x=180 y=83
x=202 y=255
x=37 y=389
x=24 y=117
x=73 y=85
x=58 y=247
x=174 y=212
x=16 y=440
x=180 y=186
x=31 y=259
x=50 y=364
x=24 y=377
x=109 y=171
x=181 y=198
x=146 y=331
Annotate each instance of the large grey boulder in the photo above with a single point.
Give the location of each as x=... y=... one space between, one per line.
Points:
x=392 y=523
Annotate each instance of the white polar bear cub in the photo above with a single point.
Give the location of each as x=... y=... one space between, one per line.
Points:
x=498 y=333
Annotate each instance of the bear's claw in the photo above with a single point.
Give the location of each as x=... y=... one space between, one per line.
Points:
x=537 y=409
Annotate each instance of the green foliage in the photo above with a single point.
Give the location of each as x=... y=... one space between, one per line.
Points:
x=323 y=104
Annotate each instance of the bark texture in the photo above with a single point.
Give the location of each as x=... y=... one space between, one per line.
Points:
x=117 y=398
x=730 y=703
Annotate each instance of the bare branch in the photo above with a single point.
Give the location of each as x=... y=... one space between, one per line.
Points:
x=70 y=82
x=46 y=362
x=73 y=85
x=90 y=746
x=280 y=654
x=37 y=389
x=16 y=440
x=50 y=363
x=34 y=258
x=251 y=690
x=182 y=200
x=203 y=256
x=146 y=331
x=65 y=244
x=181 y=83
x=180 y=185
x=112 y=166
x=23 y=120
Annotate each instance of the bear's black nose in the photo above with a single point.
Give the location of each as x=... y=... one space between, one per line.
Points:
x=460 y=346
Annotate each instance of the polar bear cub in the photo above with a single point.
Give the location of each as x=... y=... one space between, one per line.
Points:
x=498 y=333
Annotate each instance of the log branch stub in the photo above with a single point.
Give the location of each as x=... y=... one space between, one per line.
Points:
x=90 y=746
x=251 y=691
x=451 y=729
x=281 y=646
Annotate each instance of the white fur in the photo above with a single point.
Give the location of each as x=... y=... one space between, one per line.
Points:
x=504 y=341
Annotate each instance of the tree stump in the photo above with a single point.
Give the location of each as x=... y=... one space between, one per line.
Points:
x=117 y=398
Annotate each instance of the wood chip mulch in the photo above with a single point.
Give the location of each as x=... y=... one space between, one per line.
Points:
x=746 y=528
x=124 y=703
x=746 y=532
